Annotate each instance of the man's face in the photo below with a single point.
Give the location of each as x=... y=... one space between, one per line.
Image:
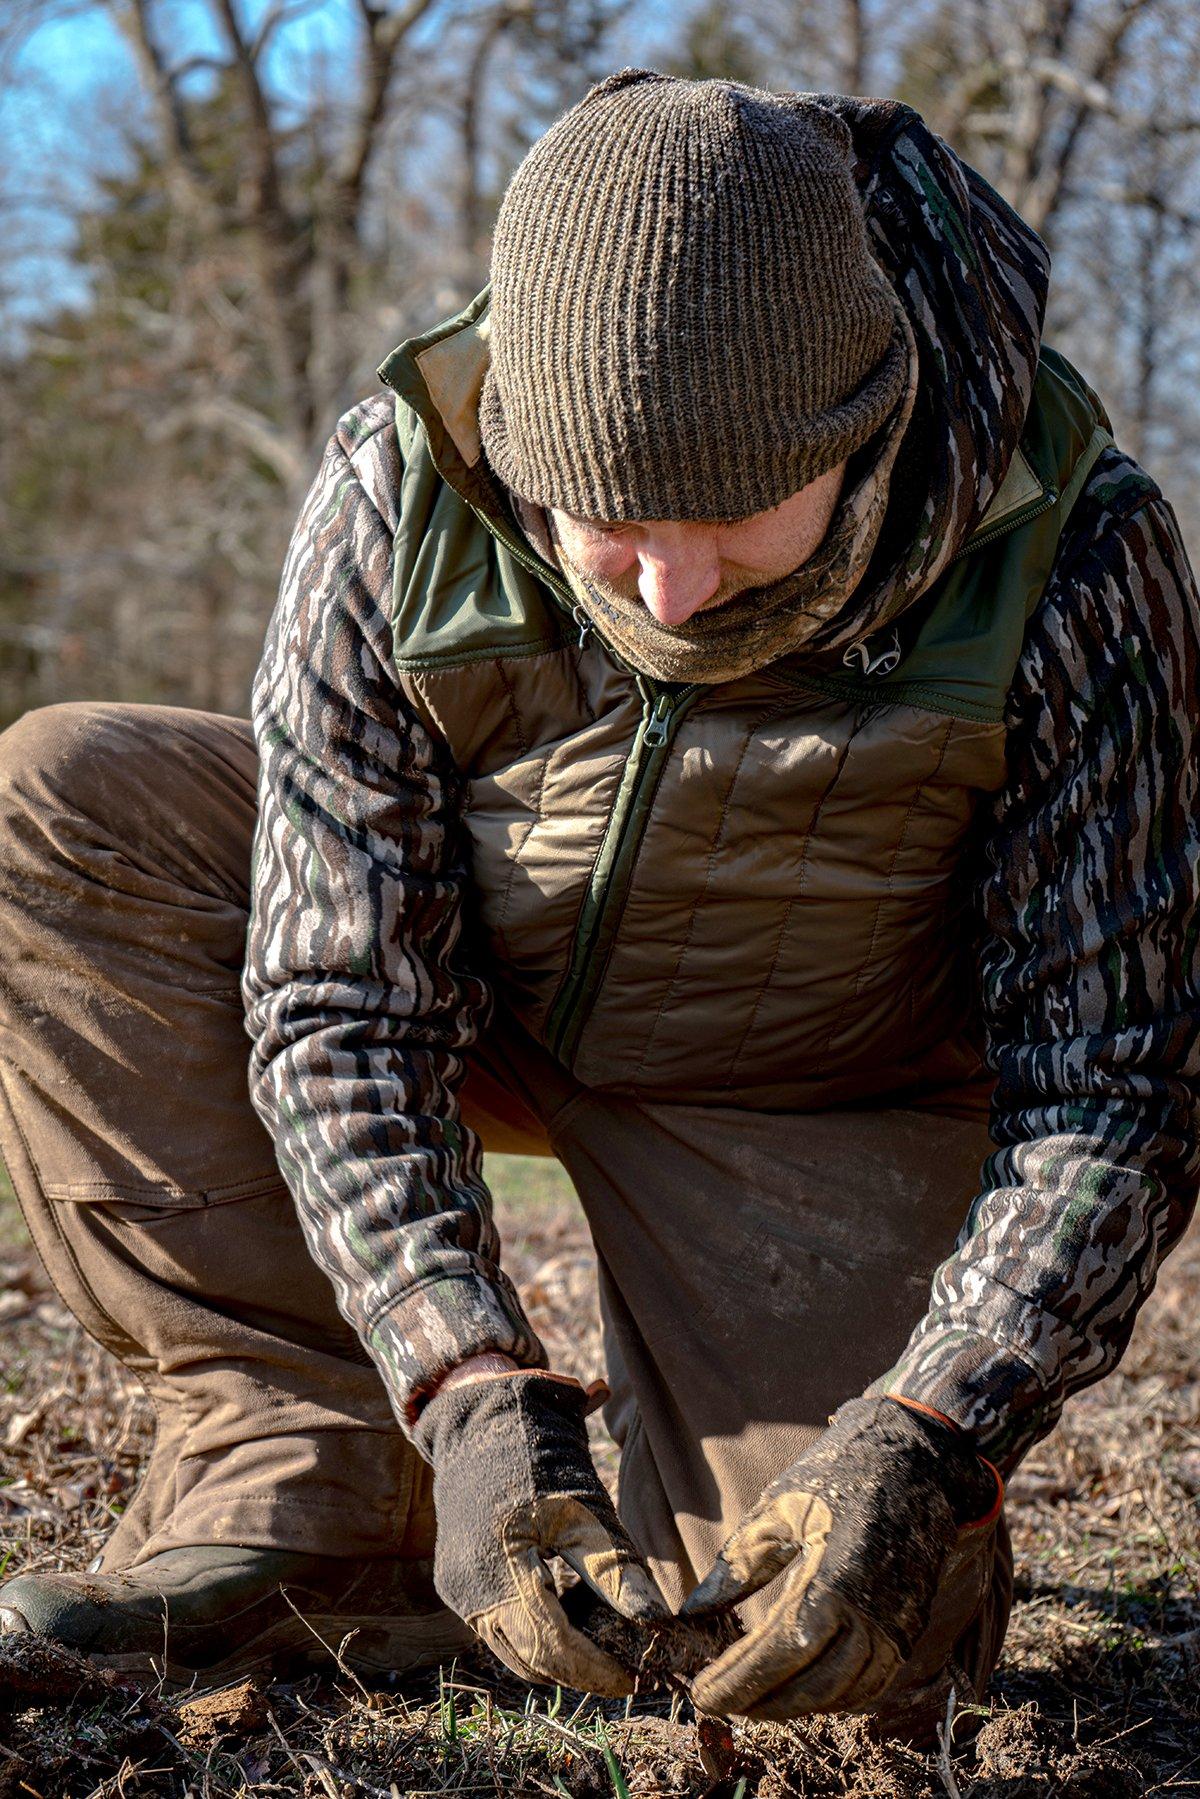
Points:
x=680 y=568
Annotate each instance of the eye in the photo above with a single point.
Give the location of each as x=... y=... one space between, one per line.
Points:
x=602 y=530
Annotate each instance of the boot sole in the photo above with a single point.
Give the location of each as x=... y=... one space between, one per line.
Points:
x=377 y=1646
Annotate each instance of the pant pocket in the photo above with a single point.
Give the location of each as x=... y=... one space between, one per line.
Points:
x=143 y=1202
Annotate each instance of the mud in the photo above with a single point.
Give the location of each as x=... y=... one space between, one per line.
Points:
x=34 y=1671
x=665 y=1656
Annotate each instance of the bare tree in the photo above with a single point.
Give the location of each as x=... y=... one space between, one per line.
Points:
x=267 y=218
x=1023 y=90
x=259 y=247
x=300 y=240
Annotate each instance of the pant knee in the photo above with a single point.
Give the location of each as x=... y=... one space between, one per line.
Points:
x=94 y=776
x=79 y=784
x=51 y=757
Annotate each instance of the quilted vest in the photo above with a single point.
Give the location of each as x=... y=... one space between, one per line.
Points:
x=752 y=894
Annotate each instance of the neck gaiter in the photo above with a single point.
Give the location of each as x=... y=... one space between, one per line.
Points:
x=761 y=624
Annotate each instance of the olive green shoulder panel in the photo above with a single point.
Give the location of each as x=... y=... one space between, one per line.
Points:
x=458 y=594
x=961 y=644
x=467 y=585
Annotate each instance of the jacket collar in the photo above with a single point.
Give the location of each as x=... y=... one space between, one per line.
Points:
x=440 y=375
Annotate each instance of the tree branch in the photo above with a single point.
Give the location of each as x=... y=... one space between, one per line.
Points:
x=247 y=427
x=855 y=66
x=272 y=233
x=268 y=189
x=1104 y=66
x=385 y=34
x=502 y=20
x=188 y=175
x=275 y=18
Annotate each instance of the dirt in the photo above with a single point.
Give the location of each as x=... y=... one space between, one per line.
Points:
x=62 y=1719
x=1017 y=1755
x=1023 y=1755
x=209 y=1718
x=14 y=1773
x=85 y=1720
x=31 y=1669
x=823 y=1756
x=666 y=1753
x=1097 y=1696
x=661 y=1657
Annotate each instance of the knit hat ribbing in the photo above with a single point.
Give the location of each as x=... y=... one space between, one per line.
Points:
x=686 y=319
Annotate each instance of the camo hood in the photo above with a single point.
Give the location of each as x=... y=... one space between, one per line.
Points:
x=972 y=278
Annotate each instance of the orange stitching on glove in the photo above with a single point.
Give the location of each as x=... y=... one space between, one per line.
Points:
x=990 y=1516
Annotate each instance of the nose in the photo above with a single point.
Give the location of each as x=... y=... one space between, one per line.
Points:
x=676 y=579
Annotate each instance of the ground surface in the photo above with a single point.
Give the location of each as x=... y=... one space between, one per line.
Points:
x=1098 y=1694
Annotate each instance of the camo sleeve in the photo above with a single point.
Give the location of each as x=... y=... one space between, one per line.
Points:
x=1089 y=916
x=358 y=1003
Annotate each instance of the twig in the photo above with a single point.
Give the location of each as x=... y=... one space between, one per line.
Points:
x=321 y=1769
x=335 y=1654
x=1117 y=1736
x=287 y=1747
x=945 y=1736
x=1176 y=1779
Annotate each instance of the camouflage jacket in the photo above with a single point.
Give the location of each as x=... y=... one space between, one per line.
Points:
x=1083 y=877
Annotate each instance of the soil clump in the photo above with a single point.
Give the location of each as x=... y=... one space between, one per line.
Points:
x=659 y=1656
x=209 y=1718
x=1024 y=1755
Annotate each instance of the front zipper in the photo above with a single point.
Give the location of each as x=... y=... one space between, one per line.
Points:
x=662 y=712
x=1048 y=499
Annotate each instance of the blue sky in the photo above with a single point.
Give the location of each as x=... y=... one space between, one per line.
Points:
x=50 y=139
x=74 y=96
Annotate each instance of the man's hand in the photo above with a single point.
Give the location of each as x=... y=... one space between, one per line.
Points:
x=863 y=1524
x=514 y=1484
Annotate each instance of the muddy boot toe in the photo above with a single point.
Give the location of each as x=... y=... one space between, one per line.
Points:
x=220 y=1612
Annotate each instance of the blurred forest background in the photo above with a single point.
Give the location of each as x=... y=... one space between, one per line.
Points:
x=219 y=215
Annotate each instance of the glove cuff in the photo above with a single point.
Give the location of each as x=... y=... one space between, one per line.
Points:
x=963 y=1436
x=927 y=1411
x=451 y=1411
x=944 y=1432
x=933 y=1450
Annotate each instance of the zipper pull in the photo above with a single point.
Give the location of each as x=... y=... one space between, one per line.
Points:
x=584 y=622
x=655 y=734
x=873 y=662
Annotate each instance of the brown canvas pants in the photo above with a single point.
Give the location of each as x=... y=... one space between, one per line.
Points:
x=755 y=1269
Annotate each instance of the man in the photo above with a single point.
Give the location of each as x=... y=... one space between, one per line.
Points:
x=730 y=720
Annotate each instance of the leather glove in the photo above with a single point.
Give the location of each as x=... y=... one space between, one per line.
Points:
x=514 y=1484
x=861 y=1527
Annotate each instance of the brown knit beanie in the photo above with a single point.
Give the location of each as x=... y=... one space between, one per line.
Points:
x=686 y=320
